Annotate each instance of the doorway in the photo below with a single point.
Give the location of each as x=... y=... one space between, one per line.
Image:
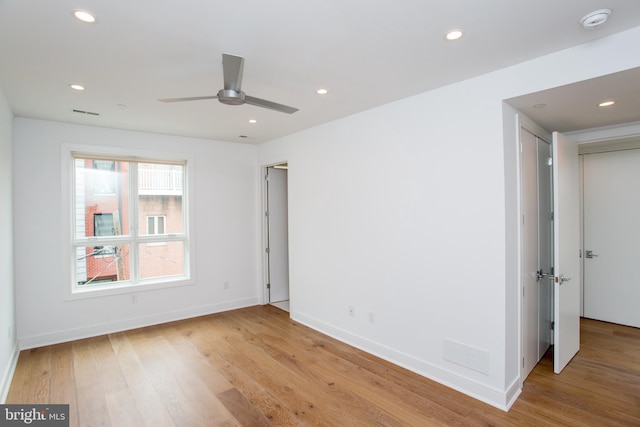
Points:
x=611 y=207
x=277 y=236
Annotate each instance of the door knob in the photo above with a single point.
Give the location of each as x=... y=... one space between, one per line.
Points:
x=560 y=280
x=590 y=254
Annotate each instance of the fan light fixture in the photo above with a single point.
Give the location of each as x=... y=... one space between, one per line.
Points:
x=84 y=16
x=231 y=94
x=595 y=19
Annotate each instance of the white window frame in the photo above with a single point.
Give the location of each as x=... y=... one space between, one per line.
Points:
x=132 y=236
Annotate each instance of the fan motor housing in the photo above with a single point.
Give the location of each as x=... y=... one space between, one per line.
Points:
x=231 y=97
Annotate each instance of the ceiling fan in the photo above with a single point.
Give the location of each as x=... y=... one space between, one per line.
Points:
x=232 y=94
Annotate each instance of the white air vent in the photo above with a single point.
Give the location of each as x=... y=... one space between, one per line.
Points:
x=91 y=113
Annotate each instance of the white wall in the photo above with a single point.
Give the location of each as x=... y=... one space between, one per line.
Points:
x=8 y=344
x=409 y=212
x=226 y=233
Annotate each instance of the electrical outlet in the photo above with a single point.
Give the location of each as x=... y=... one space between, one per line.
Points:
x=226 y=285
x=134 y=298
x=352 y=311
x=372 y=317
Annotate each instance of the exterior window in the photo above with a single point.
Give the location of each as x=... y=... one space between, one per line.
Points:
x=103 y=224
x=129 y=222
x=155 y=224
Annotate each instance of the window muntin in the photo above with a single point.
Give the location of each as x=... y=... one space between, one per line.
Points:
x=131 y=232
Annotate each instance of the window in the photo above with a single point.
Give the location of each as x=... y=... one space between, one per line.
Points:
x=129 y=222
x=155 y=224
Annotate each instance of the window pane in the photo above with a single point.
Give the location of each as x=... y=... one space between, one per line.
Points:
x=101 y=198
x=104 y=181
x=103 y=224
x=161 y=259
x=160 y=196
x=102 y=264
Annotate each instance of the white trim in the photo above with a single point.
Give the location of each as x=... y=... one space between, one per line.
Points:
x=125 y=287
x=605 y=133
x=35 y=341
x=7 y=376
x=609 y=145
x=512 y=392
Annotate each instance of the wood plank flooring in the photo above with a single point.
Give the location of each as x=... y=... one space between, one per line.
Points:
x=256 y=367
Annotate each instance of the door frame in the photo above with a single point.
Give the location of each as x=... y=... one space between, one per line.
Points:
x=264 y=280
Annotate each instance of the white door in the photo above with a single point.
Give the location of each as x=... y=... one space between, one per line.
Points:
x=566 y=251
x=530 y=230
x=612 y=237
x=537 y=247
x=545 y=247
x=277 y=235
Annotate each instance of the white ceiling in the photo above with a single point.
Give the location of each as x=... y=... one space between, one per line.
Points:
x=365 y=52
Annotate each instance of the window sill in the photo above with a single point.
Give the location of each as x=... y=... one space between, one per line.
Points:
x=98 y=291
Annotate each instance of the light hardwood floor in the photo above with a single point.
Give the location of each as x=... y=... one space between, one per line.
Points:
x=256 y=367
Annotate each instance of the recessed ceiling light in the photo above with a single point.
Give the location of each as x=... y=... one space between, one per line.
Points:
x=76 y=86
x=454 y=35
x=606 y=103
x=253 y=121
x=595 y=19
x=536 y=106
x=84 y=16
x=322 y=91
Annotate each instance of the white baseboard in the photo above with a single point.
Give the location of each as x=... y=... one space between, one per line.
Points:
x=501 y=399
x=7 y=375
x=124 y=325
x=513 y=392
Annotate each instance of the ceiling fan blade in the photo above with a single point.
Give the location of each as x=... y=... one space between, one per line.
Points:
x=191 y=98
x=268 y=104
x=232 y=68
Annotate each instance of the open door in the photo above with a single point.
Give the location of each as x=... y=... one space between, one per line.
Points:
x=277 y=235
x=566 y=251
